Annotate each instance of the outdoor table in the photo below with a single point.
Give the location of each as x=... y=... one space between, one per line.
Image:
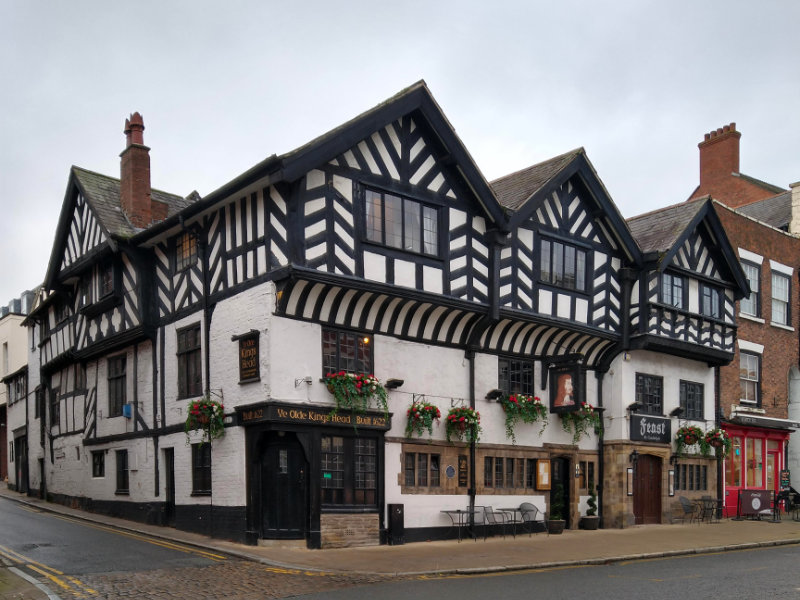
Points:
x=459 y=518
x=515 y=518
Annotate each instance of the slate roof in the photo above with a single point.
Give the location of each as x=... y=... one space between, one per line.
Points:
x=102 y=193
x=659 y=230
x=515 y=189
x=775 y=211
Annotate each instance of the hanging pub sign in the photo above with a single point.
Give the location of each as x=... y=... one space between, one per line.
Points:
x=248 y=356
x=645 y=428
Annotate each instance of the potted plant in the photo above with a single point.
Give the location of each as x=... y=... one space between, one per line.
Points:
x=463 y=423
x=421 y=416
x=581 y=422
x=591 y=521
x=688 y=435
x=719 y=440
x=206 y=415
x=355 y=392
x=528 y=409
x=556 y=522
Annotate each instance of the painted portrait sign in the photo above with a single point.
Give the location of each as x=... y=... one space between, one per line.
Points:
x=566 y=388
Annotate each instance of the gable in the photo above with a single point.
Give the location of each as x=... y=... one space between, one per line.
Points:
x=698 y=254
x=83 y=235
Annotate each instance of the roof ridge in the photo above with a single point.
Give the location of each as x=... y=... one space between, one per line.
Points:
x=574 y=151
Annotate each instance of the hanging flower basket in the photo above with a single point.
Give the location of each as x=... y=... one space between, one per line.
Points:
x=581 y=422
x=528 y=409
x=421 y=416
x=688 y=435
x=356 y=392
x=206 y=415
x=719 y=440
x=464 y=424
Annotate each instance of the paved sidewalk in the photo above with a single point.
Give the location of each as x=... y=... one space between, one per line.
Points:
x=496 y=554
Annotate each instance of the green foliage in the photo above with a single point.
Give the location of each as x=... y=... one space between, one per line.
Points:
x=719 y=440
x=581 y=422
x=528 y=409
x=463 y=423
x=688 y=435
x=557 y=503
x=355 y=392
x=591 y=503
x=207 y=415
x=421 y=416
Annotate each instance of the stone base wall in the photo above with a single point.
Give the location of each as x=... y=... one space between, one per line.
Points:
x=344 y=531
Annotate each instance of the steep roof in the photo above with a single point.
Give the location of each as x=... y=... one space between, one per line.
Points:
x=775 y=211
x=659 y=230
x=103 y=193
x=514 y=189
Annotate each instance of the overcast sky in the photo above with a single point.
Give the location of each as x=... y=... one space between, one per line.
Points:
x=222 y=85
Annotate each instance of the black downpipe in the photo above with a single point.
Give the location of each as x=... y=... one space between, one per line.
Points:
x=717 y=424
x=601 y=464
x=471 y=489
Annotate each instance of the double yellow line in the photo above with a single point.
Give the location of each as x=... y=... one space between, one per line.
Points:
x=66 y=583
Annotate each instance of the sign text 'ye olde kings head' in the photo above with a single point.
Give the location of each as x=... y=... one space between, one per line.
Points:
x=248 y=358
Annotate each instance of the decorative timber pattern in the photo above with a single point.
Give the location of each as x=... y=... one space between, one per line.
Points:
x=177 y=290
x=84 y=234
x=567 y=215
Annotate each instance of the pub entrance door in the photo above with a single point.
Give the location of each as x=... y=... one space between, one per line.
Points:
x=561 y=477
x=647 y=490
x=284 y=501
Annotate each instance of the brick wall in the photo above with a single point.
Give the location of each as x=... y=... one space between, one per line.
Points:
x=344 y=531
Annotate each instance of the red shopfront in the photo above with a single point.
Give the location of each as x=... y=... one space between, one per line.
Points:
x=757 y=456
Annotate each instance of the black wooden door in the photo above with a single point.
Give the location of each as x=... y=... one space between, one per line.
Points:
x=21 y=457
x=561 y=477
x=169 y=486
x=647 y=490
x=283 y=489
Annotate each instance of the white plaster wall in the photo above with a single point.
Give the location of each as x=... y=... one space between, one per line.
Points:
x=793 y=462
x=619 y=387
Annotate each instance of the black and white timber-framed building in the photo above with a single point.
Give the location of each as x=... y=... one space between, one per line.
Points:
x=378 y=247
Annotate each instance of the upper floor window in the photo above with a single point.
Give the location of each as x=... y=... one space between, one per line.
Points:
x=345 y=351
x=650 y=394
x=185 y=251
x=780 y=299
x=106 y=283
x=691 y=400
x=85 y=291
x=116 y=385
x=190 y=378
x=749 y=377
x=673 y=288
x=401 y=223
x=710 y=300
x=563 y=265
x=515 y=376
x=751 y=304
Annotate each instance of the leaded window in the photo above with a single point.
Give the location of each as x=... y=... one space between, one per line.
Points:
x=346 y=351
x=563 y=265
x=190 y=378
x=185 y=251
x=691 y=400
x=650 y=394
x=116 y=385
x=201 y=469
x=515 y=376
x=402 y=223
x=672 y=290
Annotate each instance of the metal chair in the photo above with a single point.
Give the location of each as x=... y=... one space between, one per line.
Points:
x=689 y=509
x=708 y=509
x=530 y=517
x=493 y=518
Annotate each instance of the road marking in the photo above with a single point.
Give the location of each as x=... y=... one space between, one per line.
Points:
x=71 y=584
x=145 y=538
x=283 y=571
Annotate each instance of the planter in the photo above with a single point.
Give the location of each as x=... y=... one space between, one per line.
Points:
x=556 y=526
x=715 y=443
x=590 y=523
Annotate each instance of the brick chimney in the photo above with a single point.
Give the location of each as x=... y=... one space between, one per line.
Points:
x=134 y=180
x=719 y=155
x=794 y=225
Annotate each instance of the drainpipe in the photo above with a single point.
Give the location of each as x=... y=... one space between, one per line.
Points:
x=717 y=424
x=471 y=490
x=601 y=469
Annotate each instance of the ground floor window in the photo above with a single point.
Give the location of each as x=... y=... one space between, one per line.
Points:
x=349 y=470
x=691 y=477
x=755 y=460
x=515 y=474
x=99 y=463
x=201 y=469
x=122 y=471
x=422 y=469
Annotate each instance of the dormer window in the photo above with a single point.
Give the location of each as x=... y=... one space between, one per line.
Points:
x=673 y=288
x=185 y=251
x=401 y=223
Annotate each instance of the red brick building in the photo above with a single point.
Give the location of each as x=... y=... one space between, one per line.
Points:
x=756 y=389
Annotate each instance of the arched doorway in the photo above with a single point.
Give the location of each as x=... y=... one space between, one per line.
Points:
x=647 y=490
x=284 y=501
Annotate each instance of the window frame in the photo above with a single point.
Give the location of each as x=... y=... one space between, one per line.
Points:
x=332 y=359
x=786 y=304
x=412 y=466
x=427 y=212
x=123 y=473
x=555 y=273
x=189 y=362
x=755 y=295
x=98 y=464
x=668 y=280
x=201 y=469
x=711 y=293
x=55 y=407
x=186 y=251
x=687 y=389
x=353 y=468
x=518 y=377
x=648 y=406
x=756 y=381
x=116 y=367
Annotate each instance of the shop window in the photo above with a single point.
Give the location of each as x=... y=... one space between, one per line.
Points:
x=749 y=378
x=190 y=378
x=649 y=393
x=346 y=351
x=751 y=305
x=422 y=469
x=691 y=400
x=99 y=463
x=201 y=469
x=780 y=299
x=349 y=471
x=754 y=465
x=673 y=290
x=515 y=376
x=122 y=471
x=402 y=223
x=116 y=385
x=734 y=463
x=563 y=265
